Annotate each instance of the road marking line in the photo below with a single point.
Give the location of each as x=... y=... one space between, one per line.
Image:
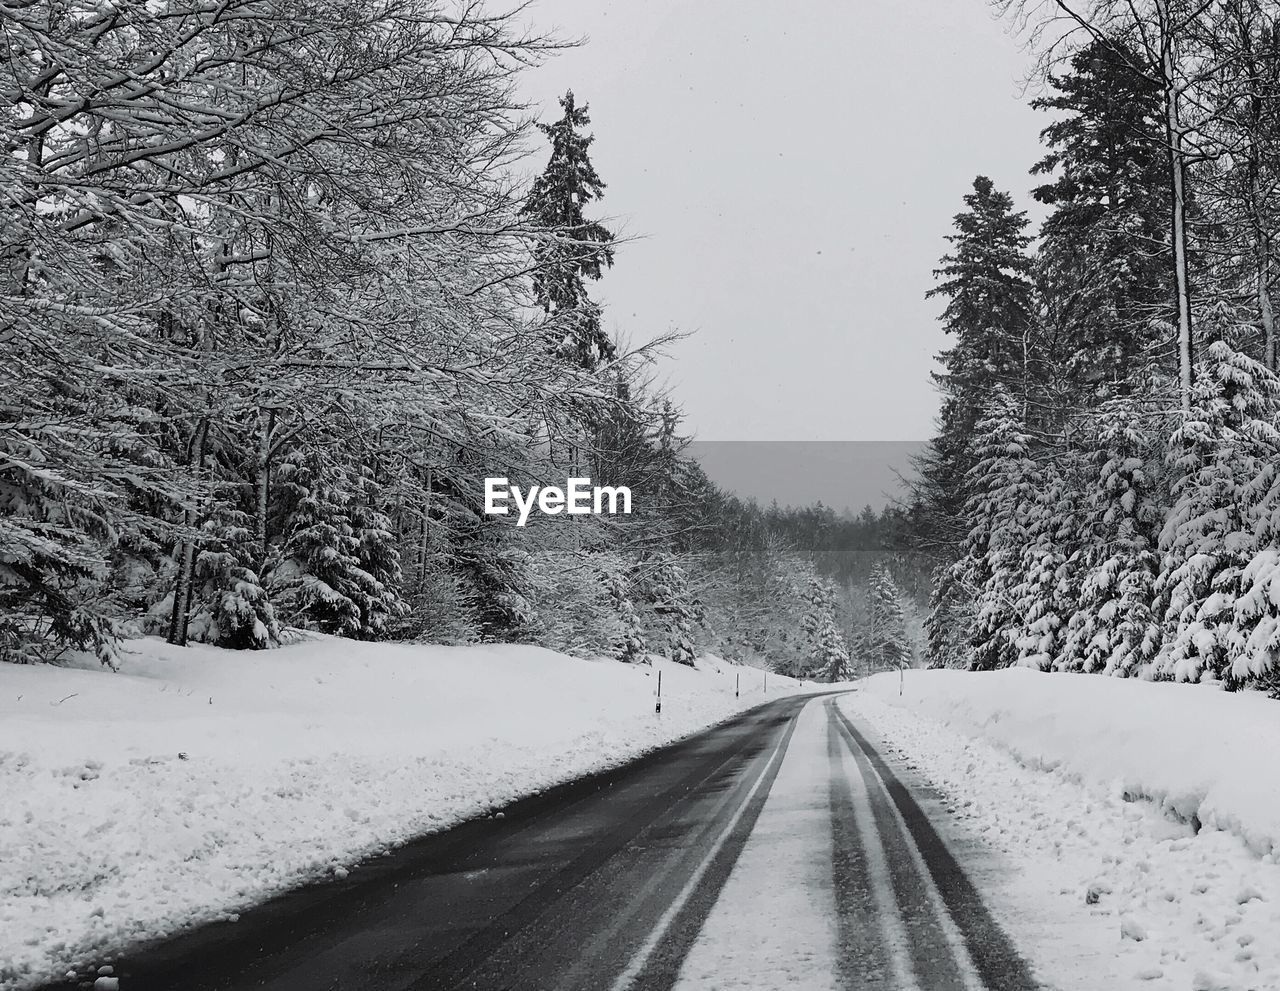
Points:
x=659 y=931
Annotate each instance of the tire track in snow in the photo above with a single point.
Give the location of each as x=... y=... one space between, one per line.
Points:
x=955 y=941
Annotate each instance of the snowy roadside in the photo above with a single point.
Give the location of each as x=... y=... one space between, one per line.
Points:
x=1085 y=789
x=196 y=782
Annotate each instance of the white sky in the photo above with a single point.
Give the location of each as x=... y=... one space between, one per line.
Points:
x=792 y=169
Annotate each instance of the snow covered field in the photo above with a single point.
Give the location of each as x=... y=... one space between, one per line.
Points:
x=198 y=781
x=1142 y=820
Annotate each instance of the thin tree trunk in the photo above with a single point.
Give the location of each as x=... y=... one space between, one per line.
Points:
x=262 y=484
x=422 y=550
x=180 y=614
x=1177 y=169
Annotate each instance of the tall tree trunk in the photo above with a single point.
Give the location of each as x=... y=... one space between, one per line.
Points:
x=1178 y=172
x=180 y=614
x=262 y=484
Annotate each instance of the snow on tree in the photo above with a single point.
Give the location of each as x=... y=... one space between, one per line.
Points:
x=1102 y=256
x=826 y=651
x=675 y=609
x=575 y=248
x=1224 y=446
x=1112 y=628
x=1048 y=584
x=887 y=646
x=949 y=623
x=1005 y=483
x=986 y=280
x=338 y=569
x=631 y=645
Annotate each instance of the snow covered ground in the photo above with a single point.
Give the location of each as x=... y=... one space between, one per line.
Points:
x=195 y=782
x=1142 y=821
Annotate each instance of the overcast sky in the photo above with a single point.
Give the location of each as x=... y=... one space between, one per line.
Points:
x=790 y=171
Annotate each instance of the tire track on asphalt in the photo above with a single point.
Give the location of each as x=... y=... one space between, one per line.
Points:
x=956 y=944
x=461 y=967
x=863 y=954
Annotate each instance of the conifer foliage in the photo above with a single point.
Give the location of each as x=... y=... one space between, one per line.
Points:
x=1117 y=496
x=574 y=248
x=826 y=651
x=887 y=645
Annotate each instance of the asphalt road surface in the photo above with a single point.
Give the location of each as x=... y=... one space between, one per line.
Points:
x=774 y=851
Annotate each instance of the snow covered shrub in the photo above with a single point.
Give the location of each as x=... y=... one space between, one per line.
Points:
x=1214 y=572
x=443 y=608
x=234 y=610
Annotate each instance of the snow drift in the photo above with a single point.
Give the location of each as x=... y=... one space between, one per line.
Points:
x=1201 y=754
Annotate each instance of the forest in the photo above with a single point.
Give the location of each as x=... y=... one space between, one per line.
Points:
x=284 y=282
x=1103 y=488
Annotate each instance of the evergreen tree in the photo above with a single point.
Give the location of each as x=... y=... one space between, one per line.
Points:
x=949 y=623
x=986 y=280
x=1112 y=629
x=1005 y=484
x=675 y=608
x=827 y=653
x=632 y=646
x=1048 y=584
x=574 y=248
x=338 y=569
x=1224 y=446
x=230 y=607
x=887 y=645
x=1104 y=261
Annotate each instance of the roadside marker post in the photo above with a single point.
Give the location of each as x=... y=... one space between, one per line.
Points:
x=737 y=684
x=658 y=705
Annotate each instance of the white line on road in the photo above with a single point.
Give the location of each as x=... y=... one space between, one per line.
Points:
x=659 y=931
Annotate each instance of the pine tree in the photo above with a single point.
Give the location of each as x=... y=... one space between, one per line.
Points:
x=887 y=646
x=632 y=645
x=675 y=608
x=1112 y=628
x=230 y=607
x=826 y=652
x=949 y=623
x=1104 y=260
x=574 y=248
x=986 y=280
x=1223 y=447
x=338 y=568
x=1004 y=485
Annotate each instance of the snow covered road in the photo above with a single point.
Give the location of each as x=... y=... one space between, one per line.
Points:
x=778 y=850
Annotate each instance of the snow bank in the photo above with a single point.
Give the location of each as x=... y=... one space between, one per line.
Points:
x=197 y=781
x=1200 y=754
x=1097 y=891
